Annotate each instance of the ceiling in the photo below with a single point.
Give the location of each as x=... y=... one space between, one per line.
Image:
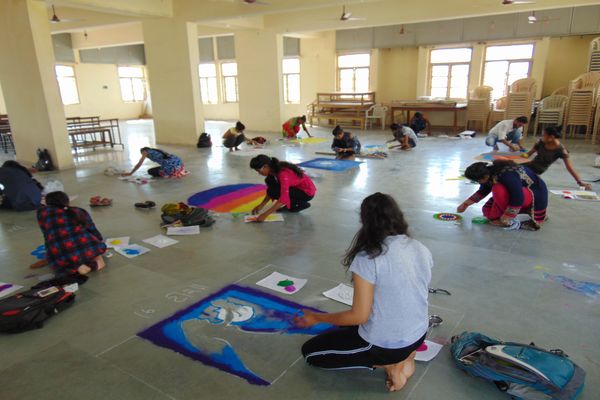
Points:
x=283 y=16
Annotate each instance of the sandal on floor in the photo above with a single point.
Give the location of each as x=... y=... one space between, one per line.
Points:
x=146 y=204
x=98 y=201
x=530 y=226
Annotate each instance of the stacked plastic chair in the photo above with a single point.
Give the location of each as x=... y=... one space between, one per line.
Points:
x=550 y=111
x=581 y=103
x=520 y=99
x=479 y=106
x=498 y=111
x=561 y=91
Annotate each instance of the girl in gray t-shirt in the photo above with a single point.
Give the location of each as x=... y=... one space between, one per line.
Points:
x=389 y=316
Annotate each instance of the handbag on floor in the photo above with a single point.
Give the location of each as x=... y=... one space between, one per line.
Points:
x=523 y=371
x=30 y=309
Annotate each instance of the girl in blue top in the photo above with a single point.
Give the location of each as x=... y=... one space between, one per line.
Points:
x=171 y=166
x=389 y=316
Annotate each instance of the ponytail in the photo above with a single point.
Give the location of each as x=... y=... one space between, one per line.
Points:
x=276 y=166
x=61 y=200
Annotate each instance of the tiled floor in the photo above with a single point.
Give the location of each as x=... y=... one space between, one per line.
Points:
x=495 y=276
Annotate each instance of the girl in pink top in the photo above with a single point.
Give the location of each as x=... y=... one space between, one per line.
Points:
x=287 y=185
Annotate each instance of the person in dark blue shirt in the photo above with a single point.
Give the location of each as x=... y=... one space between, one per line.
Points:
x=345 y=144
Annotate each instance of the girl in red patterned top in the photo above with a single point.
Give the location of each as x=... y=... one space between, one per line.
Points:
x=73 y=244
x=287 y=185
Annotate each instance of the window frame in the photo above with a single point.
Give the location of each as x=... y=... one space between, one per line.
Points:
x=207 y=79
x=286 y=85
x=223 y=85
x=142 y=79
x=74 y=77
x=354 y=69
x=450 y=66
x=517 y=60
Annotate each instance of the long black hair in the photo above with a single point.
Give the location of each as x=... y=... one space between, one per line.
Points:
x=239 y=126
x=276 y=166
x=164 y=153
x=61 y=200
x=478 y=170
x=16 y=165
x=380 y=217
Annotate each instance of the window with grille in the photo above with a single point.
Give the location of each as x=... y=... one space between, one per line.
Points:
x=67 y=84
x=353 y=72
x=449 y=72
x=291 y=80
x=133 y=83
x=506 y=64
x=208 y=83
x=230 y=82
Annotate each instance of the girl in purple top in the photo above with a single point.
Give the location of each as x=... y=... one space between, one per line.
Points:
x=287 y=185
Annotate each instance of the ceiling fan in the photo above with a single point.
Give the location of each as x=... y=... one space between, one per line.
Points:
x=248 y=2
x=56 y=20
x=511 y=2
x=347 y=16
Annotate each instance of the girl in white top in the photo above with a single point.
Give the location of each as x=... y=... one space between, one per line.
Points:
x=389 y=316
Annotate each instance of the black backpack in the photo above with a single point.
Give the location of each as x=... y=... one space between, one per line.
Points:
x=30 y=309
x=44 y=162
x=204 y=140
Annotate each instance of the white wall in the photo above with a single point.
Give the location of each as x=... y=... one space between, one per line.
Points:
x=100 y=94
x=317 y=71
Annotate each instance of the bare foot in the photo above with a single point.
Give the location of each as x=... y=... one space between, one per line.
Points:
x=409 y=365
x=395 y=377
x=84 y=269
x=100 y=262
x=398 y=374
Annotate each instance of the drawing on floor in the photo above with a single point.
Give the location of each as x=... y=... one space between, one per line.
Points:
x=220 y=330
x=282 y=283
x=447 y=217
x=229 y=198
x=310 y=140
x=502 y=155
x=590 y=289
x=329 y=164
x=8 y=288
x=131 y=250
x=39 y=252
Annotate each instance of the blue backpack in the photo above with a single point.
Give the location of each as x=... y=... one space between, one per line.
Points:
x=523 y=371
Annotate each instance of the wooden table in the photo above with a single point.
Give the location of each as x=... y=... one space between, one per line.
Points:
x=429 y=107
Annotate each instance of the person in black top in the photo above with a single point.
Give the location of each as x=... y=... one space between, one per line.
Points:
x=18 y=189
x=549 y=149
x=345 y=144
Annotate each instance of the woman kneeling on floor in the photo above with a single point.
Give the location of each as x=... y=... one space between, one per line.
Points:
x=515 y=189
x=171 y=166
x=73 y=244
x=287 y=185
x=389 y=316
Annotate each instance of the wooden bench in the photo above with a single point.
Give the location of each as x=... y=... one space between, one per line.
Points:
x=6 y=141
x=93 y=132
x=339 y=119
x=341 y=108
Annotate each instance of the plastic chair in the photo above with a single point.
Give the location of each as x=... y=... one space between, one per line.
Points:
x=376 y=111
x=582 y=102
x=479 y=106
x=551 y=110
x=498 y=111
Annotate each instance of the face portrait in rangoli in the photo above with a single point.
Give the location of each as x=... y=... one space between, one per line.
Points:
x=235 y=331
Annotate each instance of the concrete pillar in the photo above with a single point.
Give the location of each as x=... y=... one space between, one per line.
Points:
x=172 y=58
x=259 y=55
x=29 y=83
